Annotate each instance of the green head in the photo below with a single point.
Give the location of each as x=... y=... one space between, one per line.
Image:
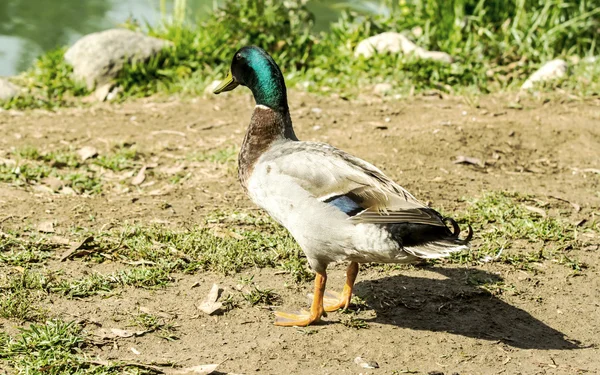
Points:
x=254 y=68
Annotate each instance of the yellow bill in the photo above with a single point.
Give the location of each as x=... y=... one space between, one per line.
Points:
x=227 y=84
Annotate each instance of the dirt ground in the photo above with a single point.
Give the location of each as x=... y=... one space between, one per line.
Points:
x=419 y=320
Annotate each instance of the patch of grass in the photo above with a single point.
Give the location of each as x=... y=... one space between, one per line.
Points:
x=47 y=84
x=19 y=304
x=297 y=269
x=29 y=166
x=502 y=221
x=20 y=292
x=148 y=278
x=252 y=241
x=257 y=296
x=53 y=348
x=123 y=157
x=153 y=323
x=18 y=250
x=219 y=156
x=350 y=320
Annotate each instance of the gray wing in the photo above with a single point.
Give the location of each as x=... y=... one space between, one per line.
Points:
x=326 y=173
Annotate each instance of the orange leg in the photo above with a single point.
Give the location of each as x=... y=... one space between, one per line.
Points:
x=304 y=318
x=335 y=301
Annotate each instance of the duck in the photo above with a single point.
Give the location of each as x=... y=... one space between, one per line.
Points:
x=337 y=207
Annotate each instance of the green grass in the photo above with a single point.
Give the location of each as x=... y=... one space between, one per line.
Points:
x=258 y=296
x=502 y=222
x=496 y=45
x=145 y=277
x=53 y=348
x=121 y=158
x=19 y=250
x=47 y=84
x=156 y=324
x=219 y=156
x=29 y=166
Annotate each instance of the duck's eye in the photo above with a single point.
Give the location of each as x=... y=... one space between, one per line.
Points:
x=238 y=56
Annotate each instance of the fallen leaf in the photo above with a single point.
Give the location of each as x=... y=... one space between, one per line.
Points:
x=53 y=183
x=42 y=189
x=468 y=160
x=135 y=351
x=122 y=332
x=172 y=132
x=537 y=210
x=226 y=233
x=118 y=333
x=140 y=177
x=489 y=258
x=573 y=204
x=58 y=240
x=87 y=152
x=172 y=170
x=210 y=304
x=46 y=227
x=67 y=191
x=73 y=249
x=364 y=364
x=195 y=370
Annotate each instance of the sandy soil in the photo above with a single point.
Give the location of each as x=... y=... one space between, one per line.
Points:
x=420 y=320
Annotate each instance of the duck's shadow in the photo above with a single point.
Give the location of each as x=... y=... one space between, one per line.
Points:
x=452 y=305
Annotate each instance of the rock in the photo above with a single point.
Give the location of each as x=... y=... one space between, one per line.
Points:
x=550 y=71
x=98 y=57
x=208 y=90
x=392 y=42
x=7 y=89
x=382 y=88
x=87 y=152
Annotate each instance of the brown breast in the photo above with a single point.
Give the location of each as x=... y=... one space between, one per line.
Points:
x=266 y=126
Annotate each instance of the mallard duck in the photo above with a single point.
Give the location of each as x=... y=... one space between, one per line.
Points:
x=336 y=206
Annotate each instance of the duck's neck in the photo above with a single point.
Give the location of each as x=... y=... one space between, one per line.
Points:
x=267 y=126
x=267 y=85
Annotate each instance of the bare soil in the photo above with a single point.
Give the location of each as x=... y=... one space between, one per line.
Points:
x=419 y=320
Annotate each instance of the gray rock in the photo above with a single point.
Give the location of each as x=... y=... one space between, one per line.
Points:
x=7 y=89
x=550 y=71
x=97 y=58
x=396 y=43
x=382 y=88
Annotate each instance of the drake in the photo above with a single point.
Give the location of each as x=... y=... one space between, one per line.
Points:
x=335 y=205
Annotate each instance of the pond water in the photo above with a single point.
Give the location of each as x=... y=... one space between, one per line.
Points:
x=30 y=27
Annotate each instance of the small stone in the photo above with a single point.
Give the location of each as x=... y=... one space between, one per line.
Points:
x=46 y=227
x=382 y=88
x=7 y=89
x=53 y=183
x=550 y=71
x=396 y=43
x=87 y=152
x=208 y=90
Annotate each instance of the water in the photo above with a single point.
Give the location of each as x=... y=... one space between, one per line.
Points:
x=30 y=27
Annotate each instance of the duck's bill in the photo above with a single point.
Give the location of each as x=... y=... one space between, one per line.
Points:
x=228 y=84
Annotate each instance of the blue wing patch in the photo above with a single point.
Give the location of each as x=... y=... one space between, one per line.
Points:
x=345 y=204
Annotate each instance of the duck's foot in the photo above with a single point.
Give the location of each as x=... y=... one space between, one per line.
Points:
x=304 y=317
x=333 y=301
x=301 y=318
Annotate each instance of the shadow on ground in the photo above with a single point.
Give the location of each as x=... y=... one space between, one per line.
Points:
x=452 y=305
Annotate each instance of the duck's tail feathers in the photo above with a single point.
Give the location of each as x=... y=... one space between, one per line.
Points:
x=441 y=243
